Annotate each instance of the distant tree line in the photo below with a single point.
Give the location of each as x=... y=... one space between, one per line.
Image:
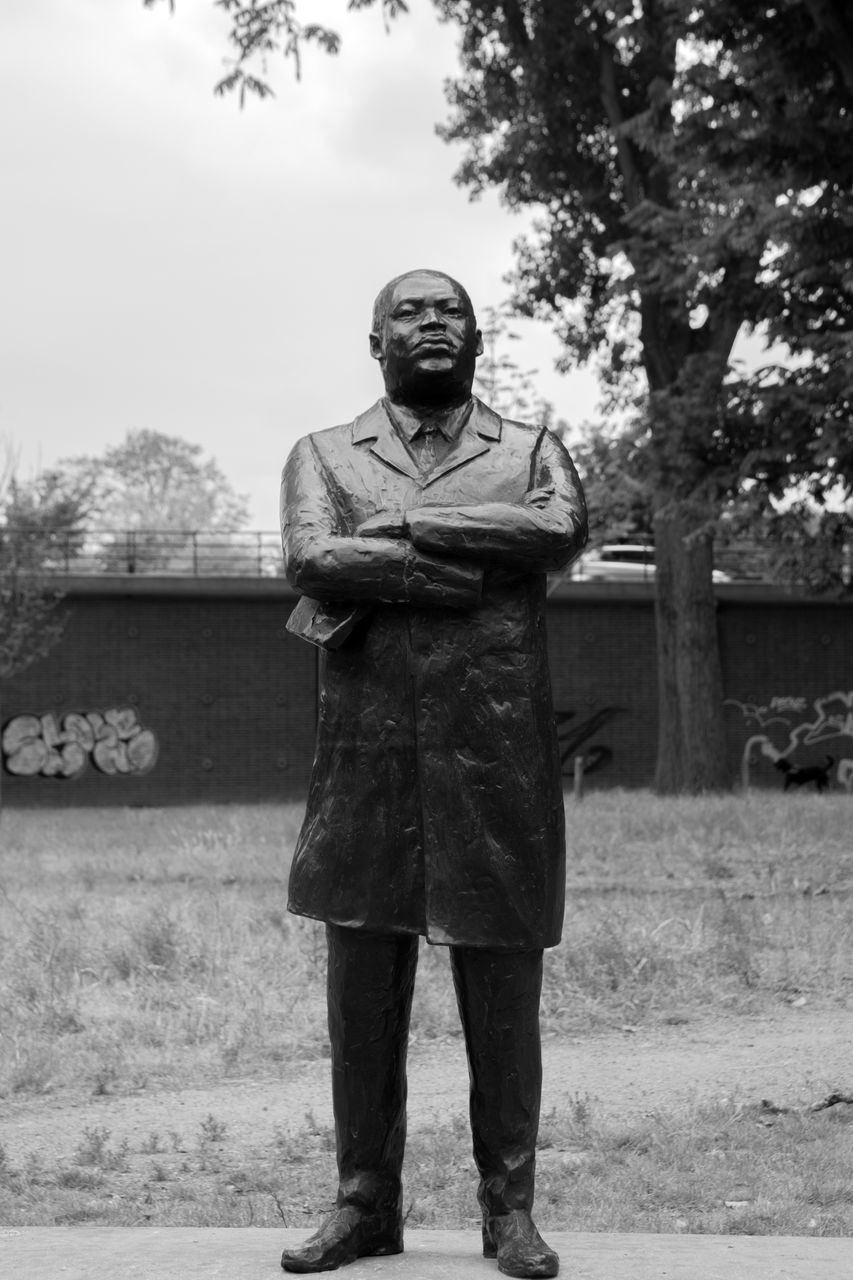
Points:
x=150 y=484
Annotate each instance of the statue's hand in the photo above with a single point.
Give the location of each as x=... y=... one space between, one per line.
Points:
x=387 y=524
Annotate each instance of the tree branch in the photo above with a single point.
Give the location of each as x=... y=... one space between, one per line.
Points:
x=627 y=157
x=833 y=21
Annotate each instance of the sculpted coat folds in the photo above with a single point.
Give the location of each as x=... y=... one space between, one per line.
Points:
x=419 y=536
x=435 y=804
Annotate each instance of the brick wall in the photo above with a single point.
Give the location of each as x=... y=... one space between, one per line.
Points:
x=191 y=691
x=227 y=693
x=602 y=650
x=787 y=677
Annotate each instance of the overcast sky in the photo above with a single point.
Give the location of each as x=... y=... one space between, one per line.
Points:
x=172 y=262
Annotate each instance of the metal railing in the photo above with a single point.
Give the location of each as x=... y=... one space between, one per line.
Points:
x=761 y=564
x=257 y=554
x=163 y=552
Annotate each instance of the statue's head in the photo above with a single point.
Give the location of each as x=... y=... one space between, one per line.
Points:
x=426 y=339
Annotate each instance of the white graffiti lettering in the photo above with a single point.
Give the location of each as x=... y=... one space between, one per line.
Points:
x=45 y=746
x=787 y=704
x=763 y=716
x=833 y=719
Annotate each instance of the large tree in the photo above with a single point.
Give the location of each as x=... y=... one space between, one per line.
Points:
x=692 y=168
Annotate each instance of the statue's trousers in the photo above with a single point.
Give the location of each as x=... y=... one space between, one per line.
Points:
x=371 y=980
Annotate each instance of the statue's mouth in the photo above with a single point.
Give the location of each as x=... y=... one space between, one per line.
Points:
x=436 y=345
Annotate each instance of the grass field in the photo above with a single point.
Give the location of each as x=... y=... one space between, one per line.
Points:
x=146 y=948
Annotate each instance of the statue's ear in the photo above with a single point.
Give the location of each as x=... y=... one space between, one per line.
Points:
x=376 y=346
x=479 y=348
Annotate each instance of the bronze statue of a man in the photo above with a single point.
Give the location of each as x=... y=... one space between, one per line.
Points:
x=420 y=536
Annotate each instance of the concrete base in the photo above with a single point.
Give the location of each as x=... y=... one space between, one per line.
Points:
x=207 y=1253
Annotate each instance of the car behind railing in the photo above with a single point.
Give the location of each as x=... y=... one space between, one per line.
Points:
x=622 y=562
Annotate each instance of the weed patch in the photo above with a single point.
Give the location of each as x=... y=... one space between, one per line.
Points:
x=95 y=1150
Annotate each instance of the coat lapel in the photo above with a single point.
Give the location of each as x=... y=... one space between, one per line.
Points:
x=481 y=430
x=478 y=435
x=386 y=445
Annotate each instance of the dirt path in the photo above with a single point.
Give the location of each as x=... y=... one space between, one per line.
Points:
x=795 y=1056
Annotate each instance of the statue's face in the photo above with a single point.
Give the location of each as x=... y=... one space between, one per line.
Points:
x=429 y=340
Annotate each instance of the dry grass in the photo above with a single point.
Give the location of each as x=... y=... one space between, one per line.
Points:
x=141 y=946
x=722 y=1169
x=722 y=903
x=137 y=946
x=153 y=947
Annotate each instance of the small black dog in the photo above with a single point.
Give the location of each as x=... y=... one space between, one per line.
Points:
x=797 y=776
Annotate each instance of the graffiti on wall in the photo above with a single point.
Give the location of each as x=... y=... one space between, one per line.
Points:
x=48 y=746
x=787 y=724
x=572 y=733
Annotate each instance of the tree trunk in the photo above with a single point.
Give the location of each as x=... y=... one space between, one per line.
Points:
x=691 y=737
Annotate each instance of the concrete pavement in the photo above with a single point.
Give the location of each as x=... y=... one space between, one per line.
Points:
x=246 y=1253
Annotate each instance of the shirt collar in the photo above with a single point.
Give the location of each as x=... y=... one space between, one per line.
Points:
x=411 y=423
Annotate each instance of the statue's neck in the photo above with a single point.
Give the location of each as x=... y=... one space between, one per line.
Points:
x=423 y=406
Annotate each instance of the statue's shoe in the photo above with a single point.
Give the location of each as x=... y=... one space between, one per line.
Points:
x=346 y=1234
x=512 y=1238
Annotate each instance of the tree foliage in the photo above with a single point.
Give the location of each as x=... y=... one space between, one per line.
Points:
x=157 y=481
x=150 y=485
x=612 y=465
x=36 y=521
x=261 y=29
x=670 y=149
x=500 y=380
x=787 y=121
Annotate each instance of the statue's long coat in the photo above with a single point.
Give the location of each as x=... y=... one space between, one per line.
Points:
x=435 y=803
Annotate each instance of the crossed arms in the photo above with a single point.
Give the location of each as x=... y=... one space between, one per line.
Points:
x=428 y=555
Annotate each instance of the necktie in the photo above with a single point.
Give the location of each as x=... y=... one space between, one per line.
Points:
x=427 y=438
